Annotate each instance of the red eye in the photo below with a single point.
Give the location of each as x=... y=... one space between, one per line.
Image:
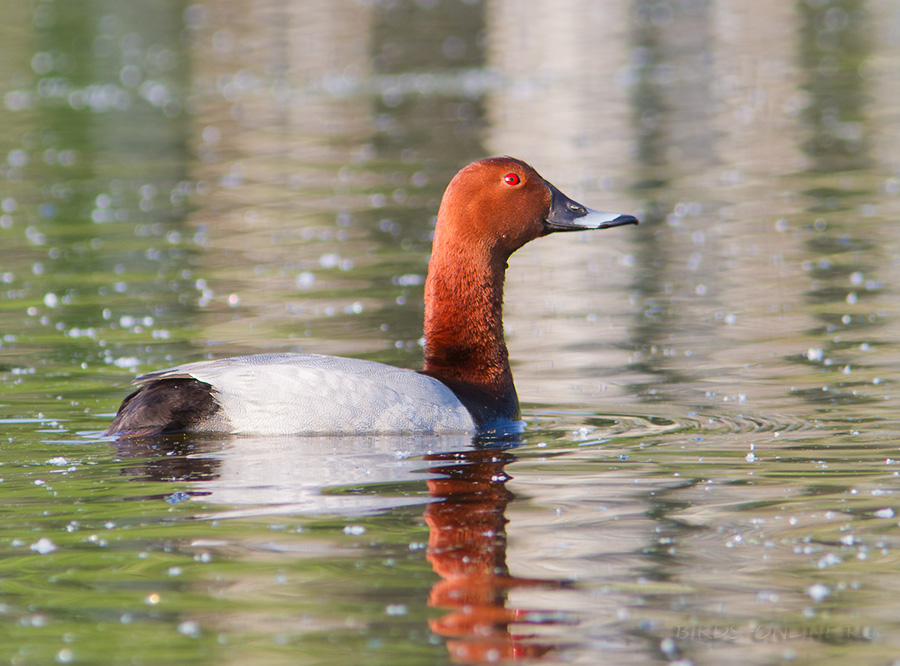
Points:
x=511 y=179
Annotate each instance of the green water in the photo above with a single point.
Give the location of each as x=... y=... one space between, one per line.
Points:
x=709 y=472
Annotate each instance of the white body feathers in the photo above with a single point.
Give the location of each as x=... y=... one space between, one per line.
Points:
x=289 y=394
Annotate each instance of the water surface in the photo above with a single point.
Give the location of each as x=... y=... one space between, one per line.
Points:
x=709 y=468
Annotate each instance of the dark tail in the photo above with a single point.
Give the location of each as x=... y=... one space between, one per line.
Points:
x=165 y=406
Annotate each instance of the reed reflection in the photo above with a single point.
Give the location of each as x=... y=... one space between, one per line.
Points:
x=467 y=548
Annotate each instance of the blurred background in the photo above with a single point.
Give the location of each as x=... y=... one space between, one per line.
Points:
x=183 y=180
x=180 y=181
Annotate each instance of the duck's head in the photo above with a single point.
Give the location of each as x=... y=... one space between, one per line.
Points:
x=501 y=203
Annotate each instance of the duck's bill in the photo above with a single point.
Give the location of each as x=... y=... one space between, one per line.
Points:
x=598 y=219
x=568 y=215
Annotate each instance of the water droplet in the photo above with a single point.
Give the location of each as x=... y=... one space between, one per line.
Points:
x=817 y=591
x=43 y=546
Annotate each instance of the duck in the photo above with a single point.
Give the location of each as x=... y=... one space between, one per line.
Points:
x=490 y=209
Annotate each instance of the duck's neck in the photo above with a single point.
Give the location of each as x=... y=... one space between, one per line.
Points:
x=464 y=344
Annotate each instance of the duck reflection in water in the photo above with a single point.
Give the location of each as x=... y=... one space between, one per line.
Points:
x=467 y=549
x=259 y=477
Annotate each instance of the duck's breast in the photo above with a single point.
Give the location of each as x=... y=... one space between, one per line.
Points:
x=308 y=394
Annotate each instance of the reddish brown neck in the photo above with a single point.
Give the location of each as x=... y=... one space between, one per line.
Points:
x=464 y=344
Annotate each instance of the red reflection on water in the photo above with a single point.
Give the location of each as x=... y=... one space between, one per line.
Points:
x=467 y=549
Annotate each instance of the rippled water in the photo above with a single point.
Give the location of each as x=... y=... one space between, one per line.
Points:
x=710 y=466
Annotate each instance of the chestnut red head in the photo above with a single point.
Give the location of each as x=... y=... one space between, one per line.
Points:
x=501 y=203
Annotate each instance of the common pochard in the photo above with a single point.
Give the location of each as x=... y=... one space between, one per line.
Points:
x=490 y=209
